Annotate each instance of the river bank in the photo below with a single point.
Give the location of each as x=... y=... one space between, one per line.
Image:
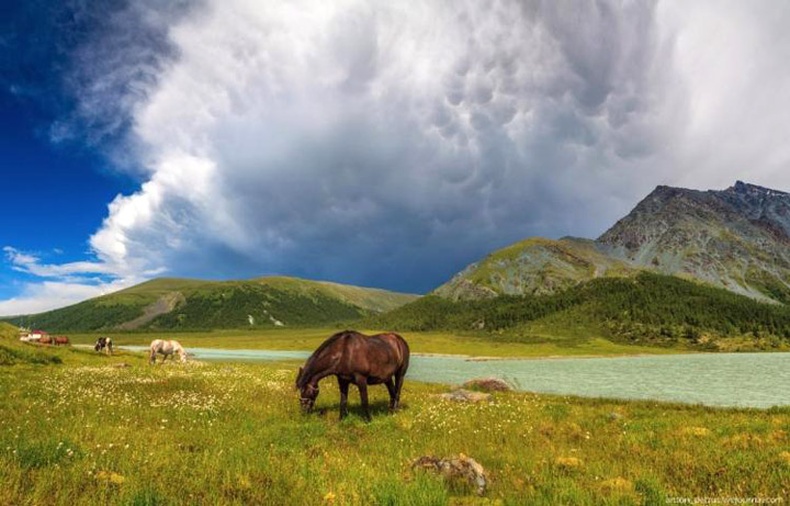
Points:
x=686 y=378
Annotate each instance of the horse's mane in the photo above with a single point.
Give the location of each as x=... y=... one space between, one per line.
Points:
x=329 y=342
x=306 y=372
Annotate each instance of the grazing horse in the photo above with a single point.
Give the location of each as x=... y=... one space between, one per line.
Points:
x=359 y=359
x=104 y=343
x=61 y=340
x=166 y=348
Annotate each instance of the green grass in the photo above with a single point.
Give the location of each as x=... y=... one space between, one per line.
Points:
x=13 y=351
x=87 y=432
x=545 y=345
x=536 y=266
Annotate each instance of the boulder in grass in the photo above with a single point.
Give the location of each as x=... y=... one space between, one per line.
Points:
x=488 y=385
x=462 y=395
x=459 y=469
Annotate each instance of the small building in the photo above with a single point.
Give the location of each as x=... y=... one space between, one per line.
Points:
x=33 y=336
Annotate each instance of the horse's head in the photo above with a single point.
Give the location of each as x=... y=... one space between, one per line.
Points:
x=308 y=393
x=99 y=344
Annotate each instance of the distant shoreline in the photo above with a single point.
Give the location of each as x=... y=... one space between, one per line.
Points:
x=484 y=358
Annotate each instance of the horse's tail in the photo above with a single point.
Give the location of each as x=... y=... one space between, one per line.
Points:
x=404 y=365
x=403 y=349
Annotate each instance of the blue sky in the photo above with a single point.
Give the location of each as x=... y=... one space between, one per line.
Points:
x=54 y=195
x=373 y=143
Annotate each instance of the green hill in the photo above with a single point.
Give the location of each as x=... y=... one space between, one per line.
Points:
x=12 y=351
x=189 y=304
x=535 y=266
x=8 y=333
x=646 y=308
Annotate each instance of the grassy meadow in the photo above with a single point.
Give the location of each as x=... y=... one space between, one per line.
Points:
x=547 y=343
x=94 y=429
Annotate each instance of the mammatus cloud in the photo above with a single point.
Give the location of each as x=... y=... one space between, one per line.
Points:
x=367 y=142
x=390 y=144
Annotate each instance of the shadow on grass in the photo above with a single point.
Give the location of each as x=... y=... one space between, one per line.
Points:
x=378 y=408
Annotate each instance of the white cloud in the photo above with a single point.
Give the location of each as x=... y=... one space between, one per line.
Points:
x=389 y=144
x=31 y=264
x=47 y=295
x=731 y=58
x=61 y=284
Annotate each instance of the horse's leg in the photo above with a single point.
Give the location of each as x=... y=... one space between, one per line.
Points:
x=393 y=394
x=398 y=386
x=362 y=384
x=343 y=384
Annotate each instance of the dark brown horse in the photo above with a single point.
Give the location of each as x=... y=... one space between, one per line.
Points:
x=61 y=340
x=358 y=359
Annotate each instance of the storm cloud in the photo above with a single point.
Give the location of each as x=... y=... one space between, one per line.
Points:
x=391 y=143
x=386 y=144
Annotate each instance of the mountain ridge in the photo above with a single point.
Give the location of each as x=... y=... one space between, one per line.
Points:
x=737 y=239
x=194 y=304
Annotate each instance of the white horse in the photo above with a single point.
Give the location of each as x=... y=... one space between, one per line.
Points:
x=166 y=348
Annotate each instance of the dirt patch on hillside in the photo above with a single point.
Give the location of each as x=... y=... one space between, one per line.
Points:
x=163 y=305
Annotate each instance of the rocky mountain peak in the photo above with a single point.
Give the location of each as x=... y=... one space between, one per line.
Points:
x=763 y=207
x=667 y=209
x=737 y=239
x=752 y=190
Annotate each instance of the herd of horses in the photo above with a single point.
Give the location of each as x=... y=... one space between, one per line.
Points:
x=164 y=347
x=352 y=357
x=56 y=340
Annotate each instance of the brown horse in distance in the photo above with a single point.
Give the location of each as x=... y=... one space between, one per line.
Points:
x=359 y=359
x=61 y=340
